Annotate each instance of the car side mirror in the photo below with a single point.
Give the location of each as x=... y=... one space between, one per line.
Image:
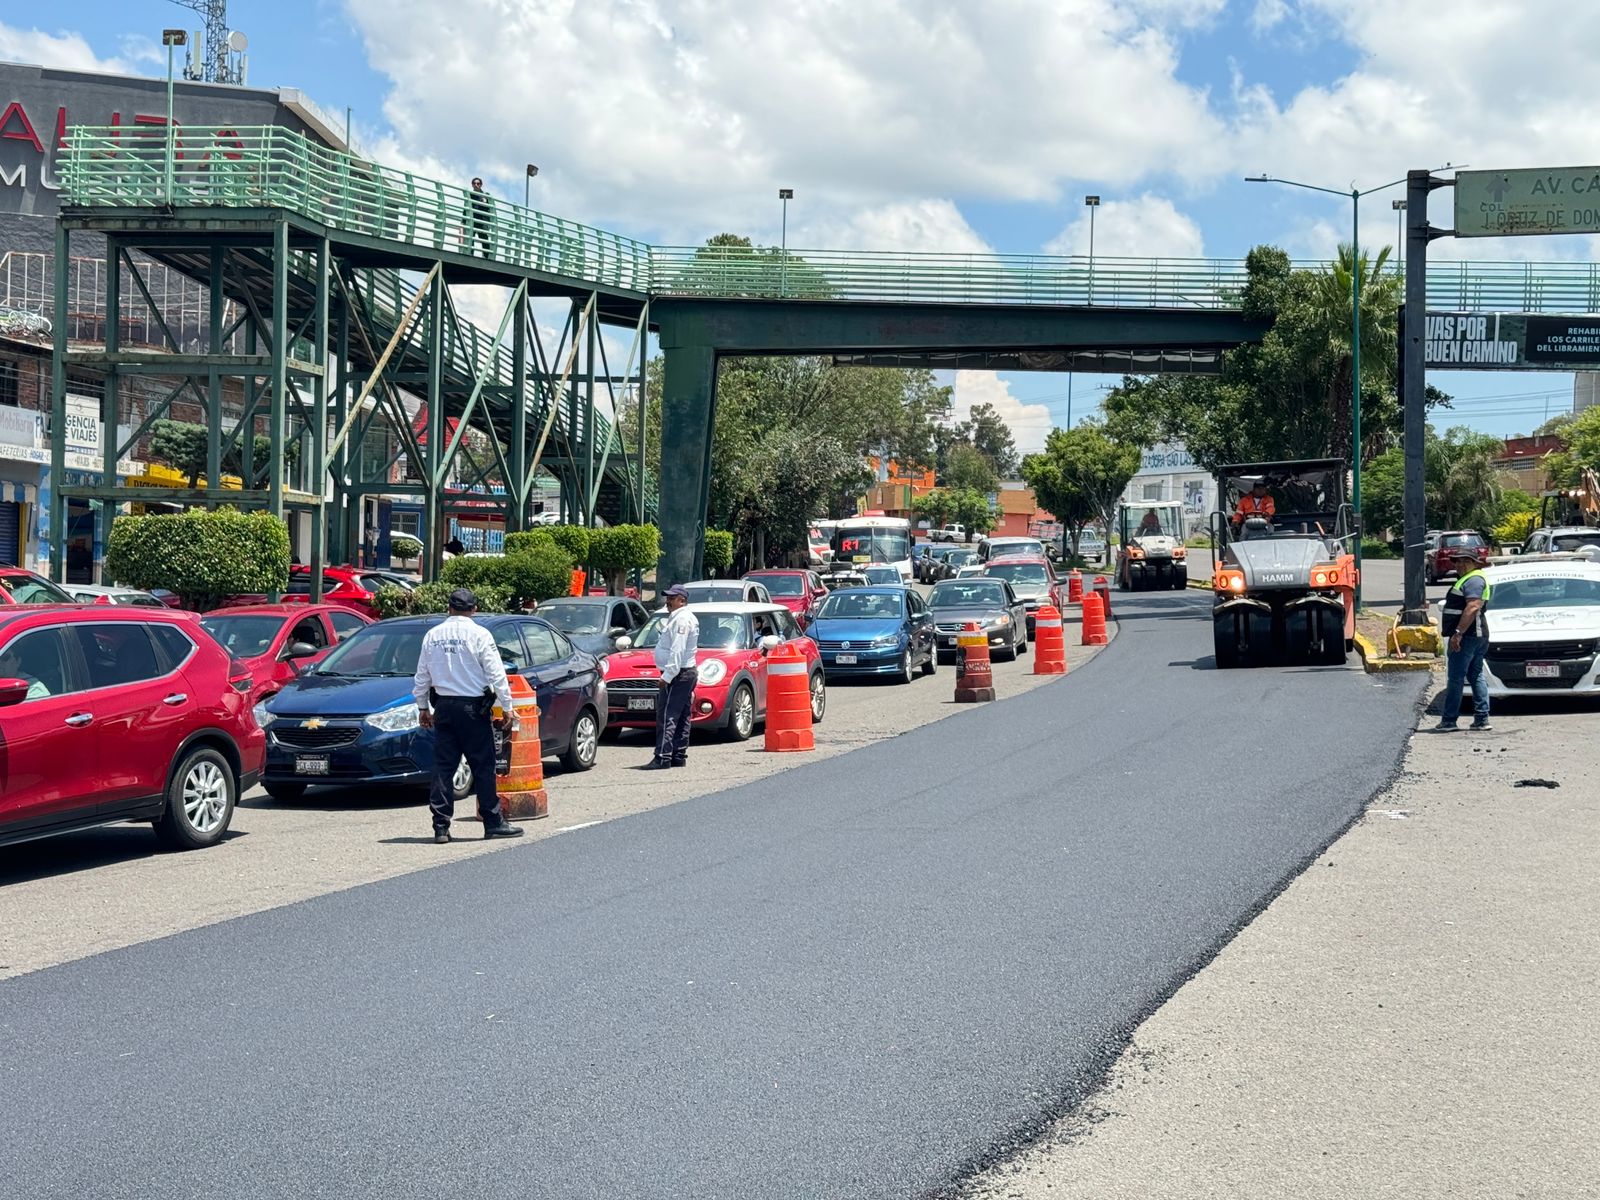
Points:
x=299 y=650
x=624 y=642
x=13 y=691
x=616 y=631
x=769 y=643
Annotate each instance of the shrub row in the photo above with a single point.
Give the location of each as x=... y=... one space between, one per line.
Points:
x=203 y=556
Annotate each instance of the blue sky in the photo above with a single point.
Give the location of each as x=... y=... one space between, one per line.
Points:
x=917 y=124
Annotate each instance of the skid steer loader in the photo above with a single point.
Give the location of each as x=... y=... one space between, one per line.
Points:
x=1284 y=588
x=1151 y=553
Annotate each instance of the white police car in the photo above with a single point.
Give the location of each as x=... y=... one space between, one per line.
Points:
x=1544 y=626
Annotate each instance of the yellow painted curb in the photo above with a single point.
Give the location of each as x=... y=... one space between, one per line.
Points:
x=1375 y=662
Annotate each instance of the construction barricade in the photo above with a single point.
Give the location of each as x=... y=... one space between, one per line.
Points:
x=521 y=781
x=1094 y=620
x=1049 y=642
x=974 y=672
x=788 y=699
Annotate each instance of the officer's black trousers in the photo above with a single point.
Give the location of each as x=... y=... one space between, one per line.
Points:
x=463 y=727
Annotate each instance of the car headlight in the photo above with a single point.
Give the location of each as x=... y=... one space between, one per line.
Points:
x=892 y=640
x=713 y=671
x=1001 y=622
x=395 y=720
x=264 y=715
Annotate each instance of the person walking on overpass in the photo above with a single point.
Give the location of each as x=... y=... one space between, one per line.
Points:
x=675 y=651
x=459 y=679
x=1463 y=623
x=478 y=218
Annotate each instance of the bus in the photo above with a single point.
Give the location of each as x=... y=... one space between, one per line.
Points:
x=861 y=540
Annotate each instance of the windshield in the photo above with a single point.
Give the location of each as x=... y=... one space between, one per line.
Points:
x=1007 y=548
x=1575 y=541
x=783 y=585
x=25 y=589
x=1152 y=522
x=1019 y=573
x=1545 y=593
x=960 y=558
x=976 y=594
x=243 y=637
x=882 y=575
x=714 y=593
x=718 y=631
x=575 y=618
x=858 y=605
x=381 y=649
x=873 y=545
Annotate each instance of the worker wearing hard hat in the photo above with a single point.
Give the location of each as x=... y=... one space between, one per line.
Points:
x=1255 y=503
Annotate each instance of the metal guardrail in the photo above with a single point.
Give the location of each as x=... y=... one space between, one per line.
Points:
x=274 y=167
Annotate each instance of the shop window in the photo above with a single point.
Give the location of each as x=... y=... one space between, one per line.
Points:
x=8 y=383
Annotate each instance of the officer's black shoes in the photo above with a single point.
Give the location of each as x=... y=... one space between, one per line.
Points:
x=1481 y=727
x=441 y=837
x=655 y=764
x=680 y=764
x=502 y=830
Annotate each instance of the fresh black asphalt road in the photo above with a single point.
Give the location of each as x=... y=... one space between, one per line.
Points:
x=854 y=979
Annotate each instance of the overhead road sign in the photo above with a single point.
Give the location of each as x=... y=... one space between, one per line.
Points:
x=1537 y=200
x=1495 y=341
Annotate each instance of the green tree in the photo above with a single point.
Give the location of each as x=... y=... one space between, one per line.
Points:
x=1080 y=476
x=936 y=506
x=1565 y=468
x=971 y=508
x=1463 y=483
x=181 y=445
x=991 y=436
x=967 y=467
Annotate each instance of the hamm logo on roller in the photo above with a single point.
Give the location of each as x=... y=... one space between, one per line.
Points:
x=1278 y=577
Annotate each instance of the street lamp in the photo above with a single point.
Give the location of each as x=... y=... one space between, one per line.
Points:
x=786 y=195
x=169 y=39
x=527 y=183
x=1092 y=203
x=1399 y=207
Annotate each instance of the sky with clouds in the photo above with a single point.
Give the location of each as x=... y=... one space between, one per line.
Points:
x=938 y=124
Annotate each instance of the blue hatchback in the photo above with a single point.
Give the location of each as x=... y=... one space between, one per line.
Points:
x=875 y=631
x=350 y=720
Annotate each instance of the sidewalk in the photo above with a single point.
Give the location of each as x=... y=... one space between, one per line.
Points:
x=1415 y=1017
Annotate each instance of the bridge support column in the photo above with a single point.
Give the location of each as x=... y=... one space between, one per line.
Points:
x=688 y=409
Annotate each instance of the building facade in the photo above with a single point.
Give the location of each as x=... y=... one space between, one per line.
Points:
x=1169 y=472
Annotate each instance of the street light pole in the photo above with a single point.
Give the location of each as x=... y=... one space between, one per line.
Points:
x=527 y=184
x=1092 y=203
x=1399 y=207
x=786 y=195
x=169 y=39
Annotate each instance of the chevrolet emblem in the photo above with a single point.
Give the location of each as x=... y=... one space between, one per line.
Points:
x=313 y=723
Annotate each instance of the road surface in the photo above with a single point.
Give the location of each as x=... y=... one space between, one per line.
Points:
x=860 y=977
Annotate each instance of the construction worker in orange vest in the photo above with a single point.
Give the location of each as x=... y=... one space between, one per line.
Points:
x=1255 y=503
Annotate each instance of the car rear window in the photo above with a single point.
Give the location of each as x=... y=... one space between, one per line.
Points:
x=1018 y=572
x=1462 y=539
x=243 y=636
x=783 y=585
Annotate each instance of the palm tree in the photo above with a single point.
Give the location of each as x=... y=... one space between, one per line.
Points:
x=1462 y=482
x=1380 y=294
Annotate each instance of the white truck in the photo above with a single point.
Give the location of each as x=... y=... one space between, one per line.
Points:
x=948 y=533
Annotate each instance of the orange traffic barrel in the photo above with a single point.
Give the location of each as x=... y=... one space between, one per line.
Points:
x=1094 y=620
x=579 y=579
x=1102 y=588
x=788 y=699
x=1075 y=586
x=521 y=788
x=974 y=673
x=1049 y=642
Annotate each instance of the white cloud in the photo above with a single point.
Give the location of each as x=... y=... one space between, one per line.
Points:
x=1267 y=15
x=1030 y=423
x=925 y=226
x=66 y=50
x=1147 y=226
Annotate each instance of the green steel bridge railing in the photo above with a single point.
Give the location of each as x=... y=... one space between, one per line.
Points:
x=274 y=167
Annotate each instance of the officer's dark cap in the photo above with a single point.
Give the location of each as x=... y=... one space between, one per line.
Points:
x=462 y=600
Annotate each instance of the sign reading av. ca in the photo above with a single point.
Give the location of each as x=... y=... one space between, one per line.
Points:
x=1541 y=200
x=1457 y=341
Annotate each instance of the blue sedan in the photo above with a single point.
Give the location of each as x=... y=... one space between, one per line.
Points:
x=875 y=631
x=350 y=720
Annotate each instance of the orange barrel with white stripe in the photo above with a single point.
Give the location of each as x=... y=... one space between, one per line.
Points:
x=974 y=672
x=1094 y=620
x=522 y=794
x=1102 y=588
x=788 y=699
x=1049 y=642
x=1074 y=586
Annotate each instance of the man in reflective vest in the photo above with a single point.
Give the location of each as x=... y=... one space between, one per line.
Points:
x=1257 y=502
x=1464 y=625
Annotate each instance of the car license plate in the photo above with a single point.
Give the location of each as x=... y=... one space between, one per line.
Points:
x=948 y=641
x=311 y=764
x=641 y=704
x=845 y=660
x=1544 y=670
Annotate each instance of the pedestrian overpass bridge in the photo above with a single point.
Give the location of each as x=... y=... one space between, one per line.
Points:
x=323 y=251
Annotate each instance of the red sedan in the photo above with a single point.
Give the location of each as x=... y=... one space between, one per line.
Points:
x=275 y=642
x=18 y=585
x=731 y=691
x=353 y=587
x=798 y=591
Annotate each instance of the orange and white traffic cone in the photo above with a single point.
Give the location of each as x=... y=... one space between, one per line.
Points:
x=1049 y=642
x=788 y=700
x=522 y=794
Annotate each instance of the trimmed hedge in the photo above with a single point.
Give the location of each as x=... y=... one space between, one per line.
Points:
x=528 y=539
x=404 y=546
x=618 y=549
x=719 y=550
x=573 y=539
x=1374 y=548
x=435 y=598
x=526 y=574
x=203 y=556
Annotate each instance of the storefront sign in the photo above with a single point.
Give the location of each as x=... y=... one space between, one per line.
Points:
x=19 y=427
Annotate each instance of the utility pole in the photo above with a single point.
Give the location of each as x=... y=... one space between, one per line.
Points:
x=169 y=39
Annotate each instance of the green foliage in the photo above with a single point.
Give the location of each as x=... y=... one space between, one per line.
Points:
x=182 y=446
x=971 y=508
x=617 y=549
x=435 y=598
x=1582 y=433
x=967 y=467
x=1461 y=484
x=936 y=506
x=1200 y=541
x=404 y=546
x=528 y=539
x=573 y=539
x=203 y=556
x=1515 y=527
x=535 y=573
x=1374 y=548
x=1082 y=474
x=991 y=437
x=719 y=550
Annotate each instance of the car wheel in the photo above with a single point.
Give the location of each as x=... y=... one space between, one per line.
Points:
x=1427 y=574
x=932 y=665
x=741 y=714
x=461 y=782
x=819 y=697
x=200 y=799
x=907 y=672
x=285 y=793
x=585 y=745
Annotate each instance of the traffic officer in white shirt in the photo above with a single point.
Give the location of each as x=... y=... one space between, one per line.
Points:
x=675 y=650
x=459 y=679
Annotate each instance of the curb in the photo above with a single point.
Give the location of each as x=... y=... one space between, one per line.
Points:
x=1374 y=662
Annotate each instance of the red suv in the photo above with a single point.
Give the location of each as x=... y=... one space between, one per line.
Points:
x=121 y=714
x=353 y=587
x=1440 y=563
x=21 y=586
x=275 y=642
x=798 y=591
